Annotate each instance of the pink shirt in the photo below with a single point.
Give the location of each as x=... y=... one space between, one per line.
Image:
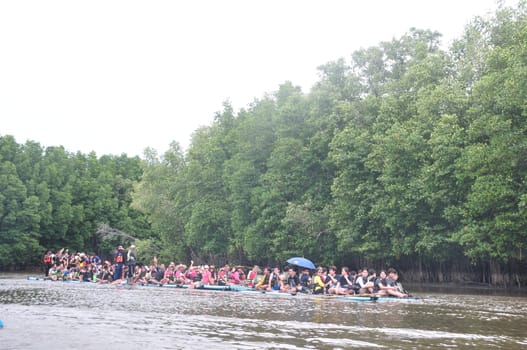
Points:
x=235 y=277
x=191 y=274
x=205 y=277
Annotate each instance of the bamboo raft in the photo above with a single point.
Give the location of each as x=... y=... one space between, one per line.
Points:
x=249 y=290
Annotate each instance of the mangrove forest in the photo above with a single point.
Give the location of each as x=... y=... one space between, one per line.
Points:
x=405 y=154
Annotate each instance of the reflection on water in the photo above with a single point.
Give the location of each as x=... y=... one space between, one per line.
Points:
x=56 y=315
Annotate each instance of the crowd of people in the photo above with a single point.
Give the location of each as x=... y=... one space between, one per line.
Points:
x=123 y=269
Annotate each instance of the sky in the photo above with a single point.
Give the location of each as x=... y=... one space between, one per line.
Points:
x=119 y=76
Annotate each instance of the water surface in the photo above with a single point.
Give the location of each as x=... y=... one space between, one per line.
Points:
x=57 y=315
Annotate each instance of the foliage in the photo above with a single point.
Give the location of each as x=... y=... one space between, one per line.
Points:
x=52 y=199
x=408 y=152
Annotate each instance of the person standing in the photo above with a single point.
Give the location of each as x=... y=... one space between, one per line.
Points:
x=131 y=257
x=48 y=262
x=118 y=260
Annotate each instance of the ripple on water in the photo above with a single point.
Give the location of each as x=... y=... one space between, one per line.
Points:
x=104 y=316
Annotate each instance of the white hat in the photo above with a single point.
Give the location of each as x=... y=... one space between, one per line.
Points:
x=132 y=246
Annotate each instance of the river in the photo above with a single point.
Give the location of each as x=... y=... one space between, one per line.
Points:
x=55 y=315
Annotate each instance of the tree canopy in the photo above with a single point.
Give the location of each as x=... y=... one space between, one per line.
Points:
x=50 y=198
x=409 y=153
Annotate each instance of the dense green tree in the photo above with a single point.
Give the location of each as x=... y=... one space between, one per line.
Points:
x=52 y=199
x=408 y=154
x=493 y=162
x=19 y=220
x=161 y=194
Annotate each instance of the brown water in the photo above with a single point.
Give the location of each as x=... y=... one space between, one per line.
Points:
x=55 y=315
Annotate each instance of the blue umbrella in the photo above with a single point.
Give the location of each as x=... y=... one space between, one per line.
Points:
x=302 y=262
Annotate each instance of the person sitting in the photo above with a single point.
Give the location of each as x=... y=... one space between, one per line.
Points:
x=105 y=276
x=194 y=276
x=332 y=280
x=82 y=273
x=191 y=275
x=306 y=282
x=353 y=278
x=292 y=283
x=252 y=275
x=380 y=285
x=54 y=272
x=65 y=259
x=150 y=274
x=319 y=282
x=168 y=277
x=140 y=275
x=276 y=279
x=242 y=277
x=213 y=275
x=74 y=274
x=364 y=286
x=223 y=275
x=95 y=259
x=205 y=275
x=234 y=277
x=179 y=274
x=372 y=275
x=160 y=273
x=88 y=274
x=345 y=283
x=264 y=284
x=66 y=274
x=393 y=289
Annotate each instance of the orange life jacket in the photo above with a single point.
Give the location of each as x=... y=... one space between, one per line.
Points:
x=47 y=259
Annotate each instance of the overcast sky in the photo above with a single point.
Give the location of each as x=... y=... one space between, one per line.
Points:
x=119 y=76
